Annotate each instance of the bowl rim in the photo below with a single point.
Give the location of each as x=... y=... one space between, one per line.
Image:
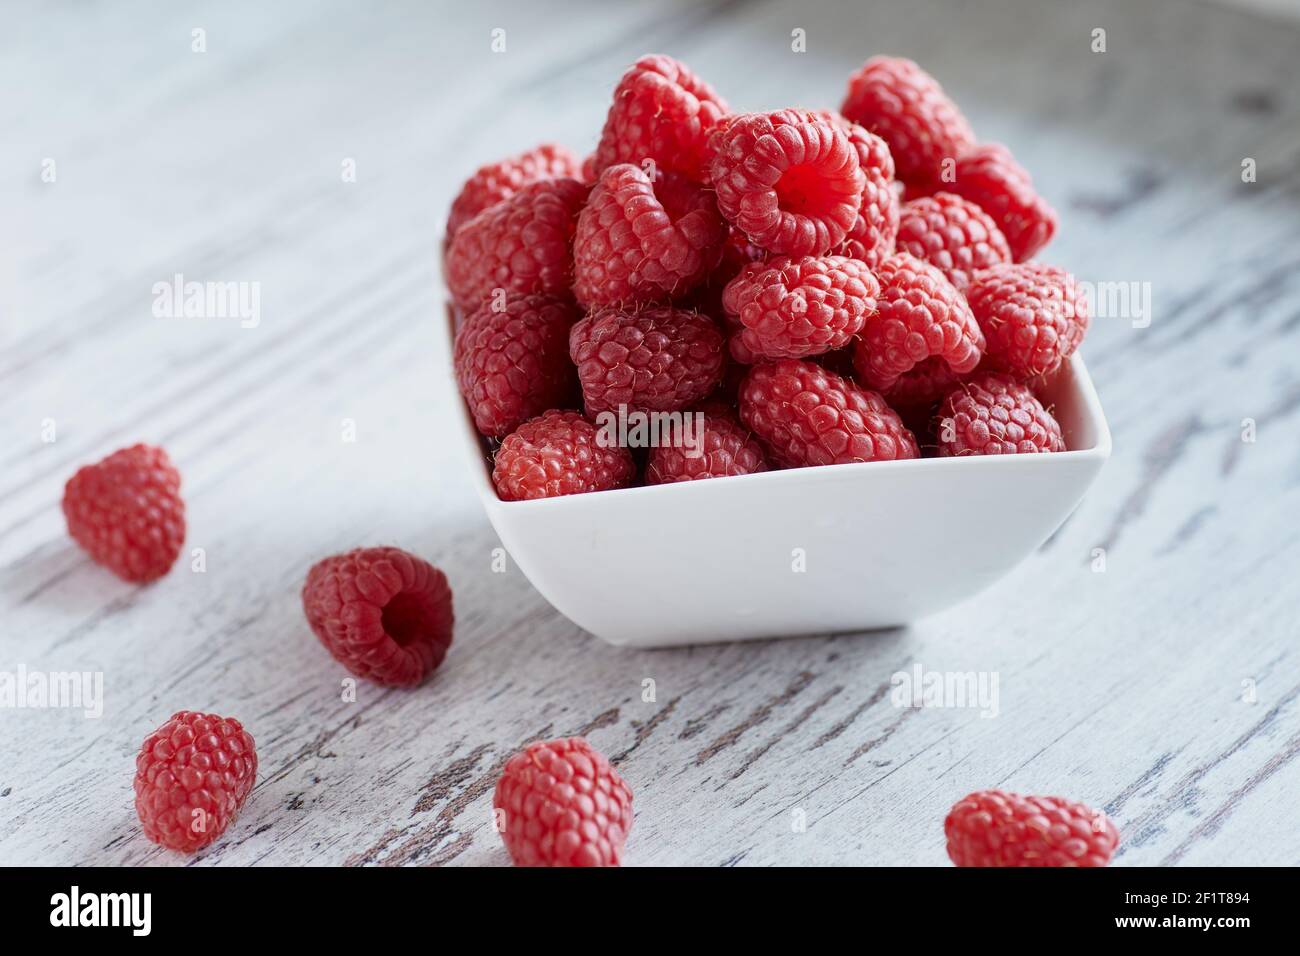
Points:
x=1090 y=406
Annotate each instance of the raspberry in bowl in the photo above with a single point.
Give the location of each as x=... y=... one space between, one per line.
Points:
x=885 y=424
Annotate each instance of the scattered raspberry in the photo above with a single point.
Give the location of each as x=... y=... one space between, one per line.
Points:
x=191 y=777
x=788 y=180
x=1033 y=315
x=990 y=177
x=994 y=828
x=905 y=106
x=513 y=365
x=383 y=614
x=807 y=415
x=564 y=805
x=126 y=512
x=522 y=244
x=993 y=415
x=656 y=360
x=952 y=234
x=722 y=449
x=796 y=307
x=501 y=180
x=558 y=453
x=661 y=112
x=872 y=235
x=920 y=315
x=641 y=241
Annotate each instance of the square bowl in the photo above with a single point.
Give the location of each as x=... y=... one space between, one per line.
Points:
x=791 y=552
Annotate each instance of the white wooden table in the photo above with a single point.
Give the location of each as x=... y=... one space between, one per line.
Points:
x=1165 y=688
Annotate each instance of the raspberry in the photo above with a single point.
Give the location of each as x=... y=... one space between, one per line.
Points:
x=661 y=112
x=563 y=805
x=1033 y=315
x=789 y=180
x=126 y=512
x=514 y=364
x=796 y=307
x=872 y=235
x=522 y=244
x=990 y=177
x=924 y=384
x=993 y=415
x=640 y=241
x=995 y=828
x=920 y=316
x=657 y=360
x=807 y=415
x=953 y=234
x=383 y=614
x=191 y=777
x=501 y=180
x=558 y=453
x=907 y=108
x=724 y=449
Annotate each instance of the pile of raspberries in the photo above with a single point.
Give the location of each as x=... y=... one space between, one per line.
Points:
x=822 y=287
x=760 y=269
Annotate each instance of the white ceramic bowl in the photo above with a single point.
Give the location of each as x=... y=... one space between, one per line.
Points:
x=880 y=543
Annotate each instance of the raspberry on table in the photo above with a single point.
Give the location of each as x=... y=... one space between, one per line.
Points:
x=989 y=176
x=559 y=453
x=126 y=512
x=382 y=613
x=919 y=316
x=192 y=775
x=662 y=112
x=991 y=414
x=807 y=415
x=995 y=828
x=522 y=244
x=494 y=182
x=723 y=449
x=654 y=360
x=952 y=234
x=641 y=241
x=560 y=803
x=871 y=237
x=798 y=307
x=513 y=364
x=907 y=108
x=789 y=180
x=1033 y=316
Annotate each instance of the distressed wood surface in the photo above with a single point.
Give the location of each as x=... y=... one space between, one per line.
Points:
x=1165 y=688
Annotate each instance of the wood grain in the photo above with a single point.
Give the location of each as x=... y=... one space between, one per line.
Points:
x=1130 y=688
